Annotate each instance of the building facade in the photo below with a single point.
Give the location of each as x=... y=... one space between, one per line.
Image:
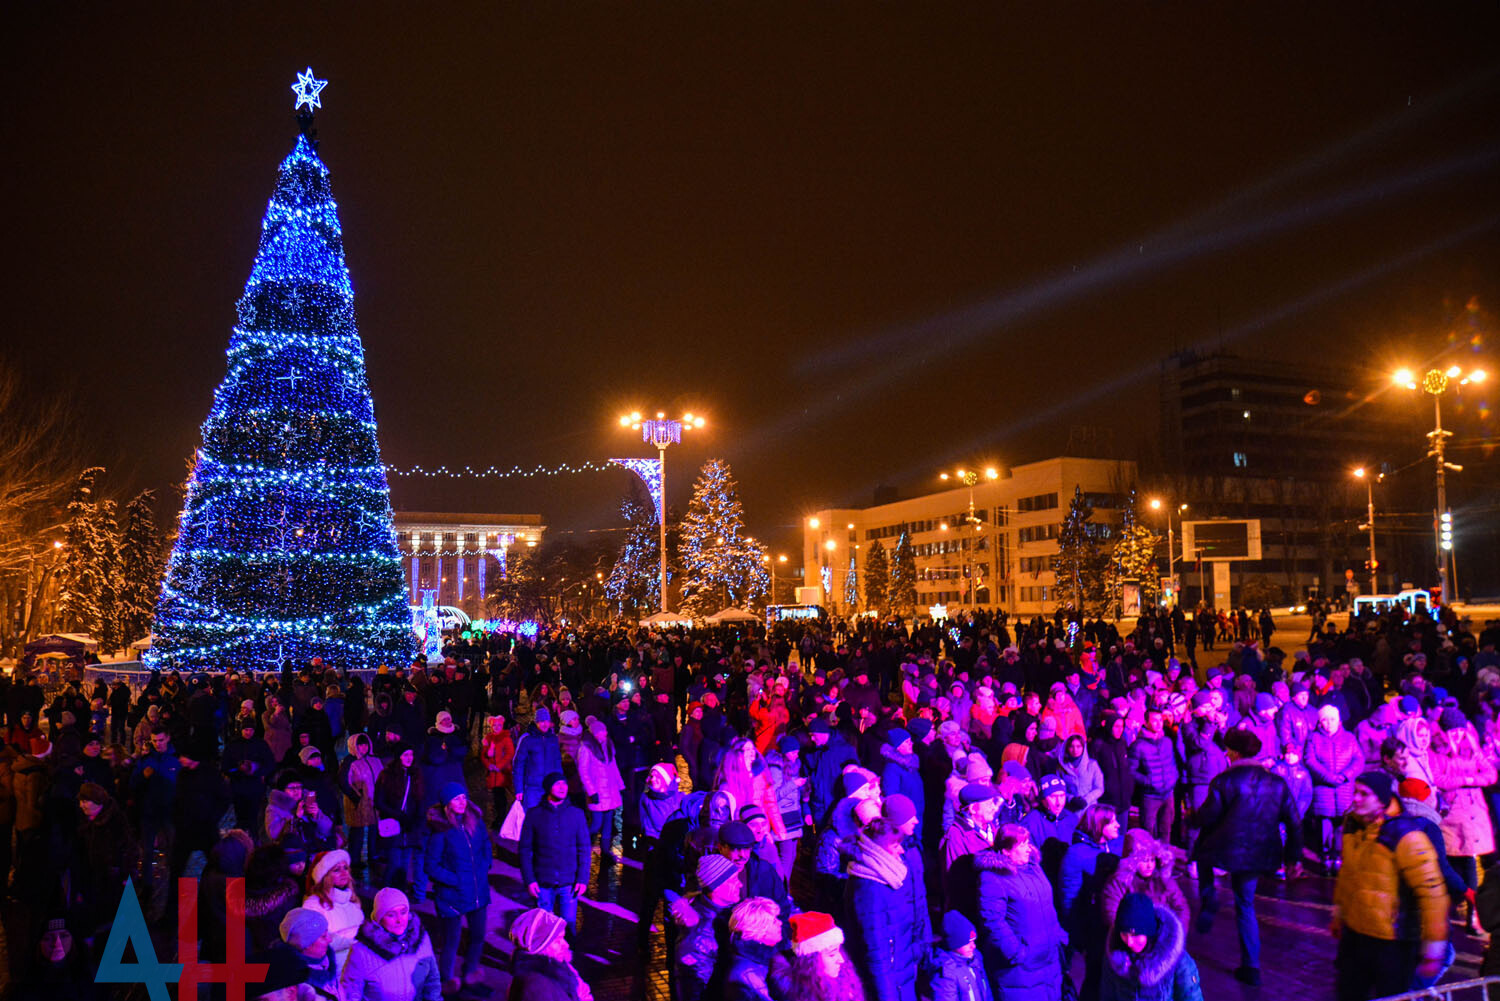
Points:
x=460 y=555
x=999 y=558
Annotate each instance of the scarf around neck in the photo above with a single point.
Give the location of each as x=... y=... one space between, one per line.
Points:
x=875 y=863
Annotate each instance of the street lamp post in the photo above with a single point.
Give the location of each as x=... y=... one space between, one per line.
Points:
x=661 y=431
x=1156 y=505
x=969 y=477
x=1370 y=481
x=1434 y=384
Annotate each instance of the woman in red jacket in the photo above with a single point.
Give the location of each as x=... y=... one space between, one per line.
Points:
x=497 y=750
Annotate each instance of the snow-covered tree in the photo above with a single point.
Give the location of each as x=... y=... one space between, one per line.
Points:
x=86 y=584
x=635 y=579
x=720 y=566
x=1079 y=567
x=902 y=594
x=1134 y=557
x=140 y=569
x=877 y=577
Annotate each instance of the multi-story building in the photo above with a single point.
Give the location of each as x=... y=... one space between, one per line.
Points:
x=460 y=555
x=1000 y=558
x=1278 y=442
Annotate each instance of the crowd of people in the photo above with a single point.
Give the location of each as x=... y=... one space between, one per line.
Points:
x=972 y=810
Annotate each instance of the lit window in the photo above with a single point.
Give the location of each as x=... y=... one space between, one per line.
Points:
x=1241 y=460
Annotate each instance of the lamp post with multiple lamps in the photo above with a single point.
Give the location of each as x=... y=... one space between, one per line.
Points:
x=969 y=478
x=1157 y=505
x=1371 y=478
x=661 y=431
x=1434 y=383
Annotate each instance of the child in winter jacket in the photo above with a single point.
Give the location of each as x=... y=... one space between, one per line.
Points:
x=960 y=968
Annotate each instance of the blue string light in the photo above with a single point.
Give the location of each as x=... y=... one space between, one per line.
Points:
x=285 y=546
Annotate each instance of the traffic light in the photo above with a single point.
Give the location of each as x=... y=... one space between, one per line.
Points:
x=1445 y=529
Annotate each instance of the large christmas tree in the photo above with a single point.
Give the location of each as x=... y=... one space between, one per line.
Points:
x=721 y=566
x=284 y=547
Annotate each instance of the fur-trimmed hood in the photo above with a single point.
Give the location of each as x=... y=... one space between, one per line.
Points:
x=269 y=899
x=1157 y=961
x=388 y=946
x=910 y=761
x=438 y=822
x=996 y=862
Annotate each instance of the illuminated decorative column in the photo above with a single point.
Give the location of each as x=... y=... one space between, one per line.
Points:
x=461 y=570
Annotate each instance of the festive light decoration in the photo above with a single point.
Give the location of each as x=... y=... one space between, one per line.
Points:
x=307 y=90
x=495 y=472
x=650 y=472
x=285 y=547
x=427 y=627
x=721 y=567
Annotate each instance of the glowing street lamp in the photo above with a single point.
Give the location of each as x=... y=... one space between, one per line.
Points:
x=1434 y=383
x=1371 y=478
x=661 y=431
x=969 y=478
x=1157 y=504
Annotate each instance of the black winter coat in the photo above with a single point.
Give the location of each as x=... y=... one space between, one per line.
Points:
x=541 y=978
x=1119 y=776
x=554 y=845
x=1240 y=818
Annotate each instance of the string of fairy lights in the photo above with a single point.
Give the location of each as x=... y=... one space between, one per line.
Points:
x=497 y=473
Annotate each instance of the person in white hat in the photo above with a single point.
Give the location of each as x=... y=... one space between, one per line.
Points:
x=333 y=897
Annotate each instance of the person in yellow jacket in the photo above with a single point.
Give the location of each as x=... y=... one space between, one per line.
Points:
x=1390 y=905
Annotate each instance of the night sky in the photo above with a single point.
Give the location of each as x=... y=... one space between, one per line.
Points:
x=866 y=240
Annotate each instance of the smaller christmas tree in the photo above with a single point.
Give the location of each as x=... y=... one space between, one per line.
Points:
x=1079 y=567
x=634 y=580
x=721 y=567
x=903 y=588
x=1135 y=556
x=87 y=584
x=877 y=577
x=140 y=568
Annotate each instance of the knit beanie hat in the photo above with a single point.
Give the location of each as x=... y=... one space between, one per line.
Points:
x=1381 y=784
x=714 y=870
x=958 y=931
x=787 y=744
x=814 y=932
x=308 y=753
x=897 y=737
x=386 y=900
x=534 y=930
x=1052 y=784
x=852 y=782
x=451 y=791
x=1452 y=719
x=302 y=926
x=919 y=728
x=1245 y=743
x=93 y=792
x=898 y=809
x=1265 y=702
x=551 y=779
x=1137 y=914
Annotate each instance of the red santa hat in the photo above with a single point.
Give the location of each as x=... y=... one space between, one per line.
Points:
x=814 y=932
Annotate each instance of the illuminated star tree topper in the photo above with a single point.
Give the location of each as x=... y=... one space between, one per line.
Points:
x=307 y=90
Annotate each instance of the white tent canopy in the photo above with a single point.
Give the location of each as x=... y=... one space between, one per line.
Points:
x=732 y=614
x=667 y=619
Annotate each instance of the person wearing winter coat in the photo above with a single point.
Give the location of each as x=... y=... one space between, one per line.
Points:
x=1061 y=708
x=903 y=770
x=1145 y=866
x=702 y=922
x=1076 y=765
x=599 y=774
x=1087 y=866
x=1241 y=822
x=1153 y=759
x=276 y=726
x=538 y=754
x=784 y=766
x=826 y=758
x=357 y=778
x=497 y=752
x=105 y=855
x=751 y=962
x=542 y=964
x=1146 y=958
x=1019 y=934
x=458 y=865
x=886 y=906
x=249 y=763
x=398 y=804
x=1290 y=767
x=443 y=754
x=1334 y=761
x=332 y=896
x=1202 y=758
x=270 y=891
x=1297 y=719
x=554 y=850
x=392 y=958
x=1372 y=731
x=1051 y=824
x=960 y=974
x=1463 y=771
x=1112 y=752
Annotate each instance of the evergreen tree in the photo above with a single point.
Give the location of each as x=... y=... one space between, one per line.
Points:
x=109 y=630
x=877 y=578
x=902 y=594
x=1080 y=569
x=635 y=579
x=83 y=585
x=720 y=566
x=140 y=569
x=284 y=547
x=1135 y=556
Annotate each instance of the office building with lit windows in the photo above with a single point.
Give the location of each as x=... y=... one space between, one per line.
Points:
x=1001 y=558
x=460 y=556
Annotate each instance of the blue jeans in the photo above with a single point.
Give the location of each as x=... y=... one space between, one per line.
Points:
x=560 y=901
x=1244 y=910
x=451 y=930
x=602 y=829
